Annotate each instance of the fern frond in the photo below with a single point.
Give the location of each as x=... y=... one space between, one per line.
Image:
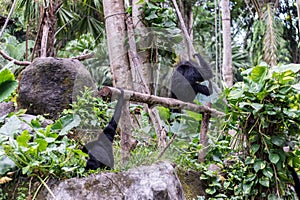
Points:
x=270 y=37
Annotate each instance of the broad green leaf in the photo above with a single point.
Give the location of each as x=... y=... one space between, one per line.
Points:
x=278 y=140
x=69 y=123
x=140 y=2
x=8 y=84
x=42 y=144
x=247 y=188
x=11 y=126
x=6 y=75
x=288 y=67
x=264 y=181
x=226 y=184
x=250 y=177
x=268 y=172
x=258 y=73
x=273 y=157
x=236 y=94
x=5 y=164
x=249 y=160
x=291 y=113
x=210 y=190
x=24 y=138
x=254 y=148
x=259 y=165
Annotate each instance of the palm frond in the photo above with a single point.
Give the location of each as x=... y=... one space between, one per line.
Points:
x=270 y=37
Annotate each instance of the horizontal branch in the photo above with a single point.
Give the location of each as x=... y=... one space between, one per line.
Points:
x=152 y=100
x=84 y=56
x=26 y=63
x=17 y=62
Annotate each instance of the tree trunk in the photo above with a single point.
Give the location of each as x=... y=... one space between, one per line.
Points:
x=203 y=135
x=298 y=12
x=143 y=50
x=115 y=15
x=144 y=69
x=227 y=52
x=44 y=42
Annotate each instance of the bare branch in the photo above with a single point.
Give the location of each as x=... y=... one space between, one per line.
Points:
x=26 y=63
x=153 y=100
x=8 y=17
x=84 y=56
x=17 y=62
x=168 y=145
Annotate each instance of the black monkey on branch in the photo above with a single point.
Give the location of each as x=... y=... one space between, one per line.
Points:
x=100 y=151
x=186 y=79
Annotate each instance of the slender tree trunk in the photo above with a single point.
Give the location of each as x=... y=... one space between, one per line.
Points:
x=115 y=15
x=203 y=135
x=298 y=11
x=44 y=42
x=144 y=69
x=8 y=17
x=227 y=52
x=143 y=50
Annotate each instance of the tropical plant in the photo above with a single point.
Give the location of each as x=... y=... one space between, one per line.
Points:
x=261 y=140
x=8 y=84
x=264 y=113
x=45 y=151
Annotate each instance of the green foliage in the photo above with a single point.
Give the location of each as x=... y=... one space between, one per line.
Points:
x=97 y=66
x=264 y=113
x=3 y=195
x=43 y=151
x=268 y=43
x=262 y=123
x=8 y=84
x=91 y=110
x=163 y=32
x=76 y=47
x=14 y=48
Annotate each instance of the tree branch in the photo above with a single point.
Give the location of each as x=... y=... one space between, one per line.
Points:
x=26 y=63
x=17 y=62
x=8 y=18
x=152 y=100
x=84 y=56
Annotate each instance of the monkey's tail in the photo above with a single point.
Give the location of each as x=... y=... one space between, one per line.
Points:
x=296 y=180
x=110 y=129
x=118 y=109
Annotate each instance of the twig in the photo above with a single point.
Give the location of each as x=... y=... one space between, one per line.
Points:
x=46 y=186
x=164 y=150
x=84 y=56
x=8 y=17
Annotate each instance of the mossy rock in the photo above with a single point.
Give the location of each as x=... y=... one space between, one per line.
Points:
x=49 y=85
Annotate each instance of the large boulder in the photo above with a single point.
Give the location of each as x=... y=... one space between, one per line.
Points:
x=156 y=182
x=49 y=85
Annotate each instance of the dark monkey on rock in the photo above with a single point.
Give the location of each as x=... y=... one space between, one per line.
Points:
x=100 y=151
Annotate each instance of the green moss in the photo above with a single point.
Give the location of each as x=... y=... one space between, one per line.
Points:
x=191 y=183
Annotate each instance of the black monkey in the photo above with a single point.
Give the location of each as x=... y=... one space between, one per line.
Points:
x=100 y=151
x=186 y=79
x=296 y=180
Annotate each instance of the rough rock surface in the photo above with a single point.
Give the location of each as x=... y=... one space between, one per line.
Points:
x=49 y=85
x=158 y=182
x=6 y=108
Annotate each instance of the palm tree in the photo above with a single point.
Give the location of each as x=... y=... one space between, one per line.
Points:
x=53 y=20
